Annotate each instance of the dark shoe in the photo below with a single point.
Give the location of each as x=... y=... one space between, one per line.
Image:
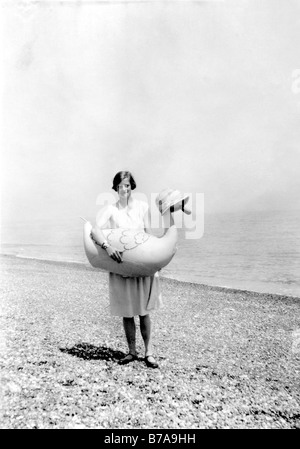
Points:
x=127 y=359
x=149 y=363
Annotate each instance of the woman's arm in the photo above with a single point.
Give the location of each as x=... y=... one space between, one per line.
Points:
x=99 y=237
x=101 y=222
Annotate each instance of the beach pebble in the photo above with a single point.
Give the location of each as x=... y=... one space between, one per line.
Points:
x=13 y=387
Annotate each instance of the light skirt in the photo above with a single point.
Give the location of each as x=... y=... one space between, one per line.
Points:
x=129 y=297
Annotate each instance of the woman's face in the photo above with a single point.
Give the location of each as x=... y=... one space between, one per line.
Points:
x=124 y=188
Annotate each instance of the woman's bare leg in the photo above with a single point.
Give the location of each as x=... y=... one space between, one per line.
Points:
x=129 y=328
x=145 y=324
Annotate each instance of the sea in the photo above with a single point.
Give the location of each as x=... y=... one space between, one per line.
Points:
x=254 y=251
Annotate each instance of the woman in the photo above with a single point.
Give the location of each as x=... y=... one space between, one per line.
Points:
x=128 y=296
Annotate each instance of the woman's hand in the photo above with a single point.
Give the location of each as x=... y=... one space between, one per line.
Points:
x=114 y=254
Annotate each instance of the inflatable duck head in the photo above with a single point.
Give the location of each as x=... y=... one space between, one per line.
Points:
x=173 y=200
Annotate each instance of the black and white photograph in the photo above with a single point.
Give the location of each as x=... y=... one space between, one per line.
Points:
x=150 y=217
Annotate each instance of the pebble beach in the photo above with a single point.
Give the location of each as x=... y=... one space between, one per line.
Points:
x=228 y=358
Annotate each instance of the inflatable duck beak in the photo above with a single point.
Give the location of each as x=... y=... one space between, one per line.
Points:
x=180 y=205
x=185 y=210
x=173 y=201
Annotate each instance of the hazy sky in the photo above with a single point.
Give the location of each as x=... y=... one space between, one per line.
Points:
x=187 y=95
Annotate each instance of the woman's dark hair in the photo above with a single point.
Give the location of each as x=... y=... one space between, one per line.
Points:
x=119 y=178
